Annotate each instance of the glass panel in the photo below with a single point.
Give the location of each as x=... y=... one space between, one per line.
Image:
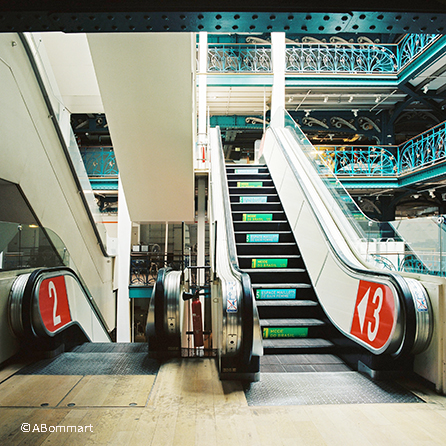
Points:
x=30 y=246
x=416 y=245
x=62 y=116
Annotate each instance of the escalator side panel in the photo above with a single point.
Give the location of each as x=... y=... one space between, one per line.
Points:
x=337 y=288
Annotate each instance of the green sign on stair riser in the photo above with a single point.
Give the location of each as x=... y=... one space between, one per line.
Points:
x=245 y=171
x=275 y=294
x=249 y=183
x=262 y=238
x=257 y=217
x=257 y=199
x=285 y=332
x=269 y=263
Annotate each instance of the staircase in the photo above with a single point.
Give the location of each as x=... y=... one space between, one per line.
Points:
x=295 y=332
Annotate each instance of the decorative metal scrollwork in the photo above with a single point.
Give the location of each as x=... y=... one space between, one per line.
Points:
x=339 y=58
x=428 y=148
x=242 y=58
x=253 y=120
x=412 y=45
x=309 y=121
x=316 y=55
x=368 y=124
x=338 y=122
x=99 y=161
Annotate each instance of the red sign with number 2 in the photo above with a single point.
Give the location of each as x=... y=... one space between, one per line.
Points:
x=53 y=303
x=374 y=317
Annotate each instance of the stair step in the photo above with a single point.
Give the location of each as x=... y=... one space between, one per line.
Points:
x=298 y=322
x=275 y=256
x=273 y=270
x=297 y=343
x=286 y=303
x=280 y=285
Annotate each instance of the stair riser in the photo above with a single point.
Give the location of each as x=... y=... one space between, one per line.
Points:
x=257 y=207
x=242 y=191
x=260 y=226
x=278 y=277
x=267 y=249
x=249 y=177
x=289 y=312
x=297 y=351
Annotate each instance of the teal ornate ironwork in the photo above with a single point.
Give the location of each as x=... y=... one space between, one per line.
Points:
x=360 y=161
x=412 y=45
x=320 y=57
x=99 y=161
x=340 y=58
x=239 y=58
x=425 y=150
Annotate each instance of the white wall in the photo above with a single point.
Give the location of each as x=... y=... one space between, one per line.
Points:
x=147 y=88
x=32 y=157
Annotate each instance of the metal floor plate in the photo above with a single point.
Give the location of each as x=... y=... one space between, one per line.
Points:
x=121 y=361
x=293 y=389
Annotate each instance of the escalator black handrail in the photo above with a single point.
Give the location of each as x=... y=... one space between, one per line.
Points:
x=403 y=291
x=62 y=141
x=28 y=296
x=247 y=310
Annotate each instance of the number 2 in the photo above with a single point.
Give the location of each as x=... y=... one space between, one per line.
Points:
x=371 y=334
x=52 y=290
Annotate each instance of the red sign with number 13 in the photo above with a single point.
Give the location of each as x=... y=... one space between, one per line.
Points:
x=373 y=318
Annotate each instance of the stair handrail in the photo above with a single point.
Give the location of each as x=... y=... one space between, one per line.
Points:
x=418 y=330
x=250 y=344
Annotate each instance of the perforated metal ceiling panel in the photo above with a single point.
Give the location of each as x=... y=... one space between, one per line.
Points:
x=230 y=16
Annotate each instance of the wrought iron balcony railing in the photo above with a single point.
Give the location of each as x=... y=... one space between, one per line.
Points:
x=320 y=57
x=231 y=58
x=427 y=149
x=99 y=161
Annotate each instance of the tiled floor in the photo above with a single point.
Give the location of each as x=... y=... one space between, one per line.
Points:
x=189 y=405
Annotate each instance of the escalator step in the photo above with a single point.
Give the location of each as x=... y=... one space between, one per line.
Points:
x=280 y=285
x=286 y=303
x=298 y=322
x=273 y=270
x=297 y=343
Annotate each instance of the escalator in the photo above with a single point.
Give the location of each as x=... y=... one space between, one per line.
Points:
x=294 y=329
x=50 y=310
x=298 y=237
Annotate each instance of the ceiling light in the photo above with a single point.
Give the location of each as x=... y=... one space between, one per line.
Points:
x=290 y=99
x=425 y=89
x=355 y=113
x=326 y=99
x=307 y=112
x=350 y=99
x=377 y=99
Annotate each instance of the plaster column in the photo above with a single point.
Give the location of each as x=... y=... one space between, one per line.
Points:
x=278 y=94
x=124 y=241
x=202 y=93
x=201 y=226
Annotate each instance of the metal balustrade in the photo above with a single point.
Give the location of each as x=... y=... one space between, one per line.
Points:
x=99 y=161
x=425 y=150
x=340 y=58
x=234 y=58
x=320 y=57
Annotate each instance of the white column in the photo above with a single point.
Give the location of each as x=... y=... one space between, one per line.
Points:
x=124 y=239
x=278 y=93
x=201 y=225
x=202 y=86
